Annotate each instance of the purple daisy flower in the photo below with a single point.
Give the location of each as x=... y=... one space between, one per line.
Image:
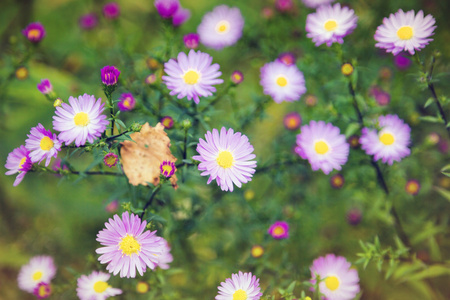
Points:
x=412 y=187
x=191 y=40
x=292 y=121
x=226 y=157
x=18 y=161
x=39 y=269
x=165 y=258
x=405 y=32
x=192 y=75
x=390 y=143
x=323 y=146
x=110 y=75
x=126 y=247
x=287 y=58
x=111 y=10
x=167 y=8
x=34 y=32
x=95 y=287
x=330 y=24
x=181 y=16
x=42 y=144
x=282 y=82
x=402 y=61
x=338 y=281
x=81 y=120
x=237 y=77
x=42 y=290
x=88 y=21
x=110 y=160
x=316 y=3
x=167 y=122
x=167 y=168
x=279 y=230
x=221 y=27
x=127 y=102
x=45 y=87
x=240 y=286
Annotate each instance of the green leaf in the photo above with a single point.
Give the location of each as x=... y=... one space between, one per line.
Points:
x=291 y=287
x=429 y=102
x=446 y=170
x=431 y=272
x=120 y=123
x=444 y=193
x=431 y=119
x=351 y=129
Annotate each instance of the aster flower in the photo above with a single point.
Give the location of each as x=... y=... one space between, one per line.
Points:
x=354 y=216
x=287 y=58
x=127 y=247
x=405 y=32
x=226 y=157
x=353 y=141
x=18 y=161
x=279 y=230
x=39 y=269
x=191 y=40
x=284 y=5
x=127 y=102
x=150 y=79
x=165 y=258
x=167 y=122
x=390 y=143
x=257 y=251
x=240 y=286
x=167 y=168
x=323 y=146
x=412 y=187
x=95 y=287
x=80 y=120
x=337 y=181
x=42 y=144
x=34 y=32
x=282 y=82
x=402 y=61
x=88 y=21
x=237 y=77
x=167 y=8
x=191 y=75
x=45 y=87
x=338 y=281
x=292 y=121
x=221 y=27
x=110 y=160
x=316 y=3
x=142 y=287
x=42 y=290
x=330 y=24
x=110 y=75
x=111 y=10
x=22 y=73
x=181 y=16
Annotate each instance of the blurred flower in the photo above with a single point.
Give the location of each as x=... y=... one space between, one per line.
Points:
x=57 y=165
x=257 y=251
x=237 y=77
x=18 y=161
x=165 y=257
x=80 y=121
x=249 y=194
x=39 y=269
x=330 y=24
x=167 y=122
x=191 y=40
x=354 y=216
x=338 y=280
x=433 y=138
x=112 y=206
x=412 y=187
x=337 y=181
x=142 y=287
x=311 y=100
x=382 y=97
x=88 y=21
x=402 y=61
x=267 y=12
x=126 y=102
x=22 y=73
x=42 y=290
x=191 y=75
x=347 y=69
x=405 y=32
x=287 y=58
x=110 y=75
x=281 y=82
x=153 y=63
x=45 y=87
x=34 y=32
x=150 y=79
x=167 y=168
x=111 y=10
x=221 y=28
x=284 y=5
x=279 y=230
x=443 y=146
x=181 y=16
x=323 y=146
x=292 y=121
x=316 y=3
x=385 y=73
x=390 y=143
x=126 y=247
x=240 y=286
x=58 y=102
x=95 y=287
x=42 y=144
x=167 y=8
x=110 y=160
x=353 y=141
x=226 y=157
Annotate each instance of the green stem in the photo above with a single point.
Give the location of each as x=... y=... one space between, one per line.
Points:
x=150 y=200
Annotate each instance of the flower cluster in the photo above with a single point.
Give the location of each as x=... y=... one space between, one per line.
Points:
x=35 y=277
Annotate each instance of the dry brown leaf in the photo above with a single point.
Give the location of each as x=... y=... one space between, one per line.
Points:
x=141 y=159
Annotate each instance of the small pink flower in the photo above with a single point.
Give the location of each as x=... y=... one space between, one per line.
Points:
x=279 y=230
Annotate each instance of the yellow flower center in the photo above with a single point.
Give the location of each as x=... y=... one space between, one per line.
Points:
x=22 y=161
x=34 y=33
x=240 y=295
x=129 y=245
x=142 y=287
x=111 y=160
x=46 y=143
x=43 y=291
x=278 y=230
x=225 y=159
x=332 y=283
x=387 y=139
x=100 y=286
x=257 y=251
x=22 y=73
x=167 y=168
x=330 y=25
x=222 y=27
x=321 y=147
x=405 y=33
x=191 y=77
x=412 y=187
x=81 y=119
x=282 y=81
x=126 y=102
x=37 y=275
x=347 y=69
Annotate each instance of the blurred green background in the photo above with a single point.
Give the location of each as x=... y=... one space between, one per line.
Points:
x=211 y=232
